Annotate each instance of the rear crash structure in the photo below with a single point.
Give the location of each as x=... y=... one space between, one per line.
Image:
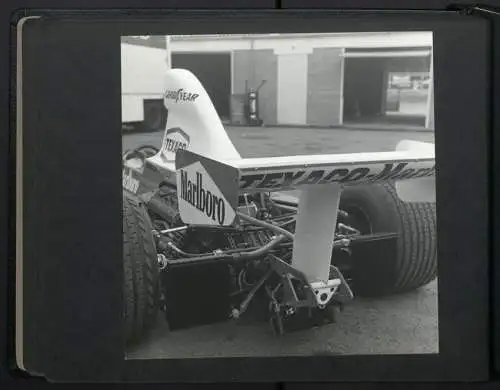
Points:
x=210 y=236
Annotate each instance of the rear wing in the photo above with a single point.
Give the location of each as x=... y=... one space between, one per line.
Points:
x=292 y=172
x=208 y=190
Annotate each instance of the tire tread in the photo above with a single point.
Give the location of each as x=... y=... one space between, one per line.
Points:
x=417 y=260
x=141 y=284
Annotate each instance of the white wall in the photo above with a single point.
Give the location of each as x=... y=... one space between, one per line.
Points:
x=142 y=77
x=142 y=69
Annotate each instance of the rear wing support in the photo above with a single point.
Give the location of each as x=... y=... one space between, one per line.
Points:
x=314 y=230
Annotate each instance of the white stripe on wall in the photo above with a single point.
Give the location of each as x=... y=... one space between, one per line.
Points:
x=429 y=119
x=342 y=83
x=292 y=89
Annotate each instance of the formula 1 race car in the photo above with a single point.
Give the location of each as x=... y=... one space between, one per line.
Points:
x=210 y=236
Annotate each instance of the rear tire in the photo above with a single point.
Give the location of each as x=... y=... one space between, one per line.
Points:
x=412 y=263
x=141 y=273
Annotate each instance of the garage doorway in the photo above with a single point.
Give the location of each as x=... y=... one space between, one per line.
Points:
x=363 y=86
x=386 y=87
x=214 y=72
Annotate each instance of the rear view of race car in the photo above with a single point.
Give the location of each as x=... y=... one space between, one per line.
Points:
x=211 y=236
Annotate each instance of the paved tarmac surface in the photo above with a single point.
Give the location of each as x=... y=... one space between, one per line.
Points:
x=402 y=324
x=269 y=141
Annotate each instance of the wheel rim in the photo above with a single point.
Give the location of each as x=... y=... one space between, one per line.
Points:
x=358 y=219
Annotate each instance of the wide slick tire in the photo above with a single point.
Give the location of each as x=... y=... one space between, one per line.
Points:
x=398 y=265
x=141 y=290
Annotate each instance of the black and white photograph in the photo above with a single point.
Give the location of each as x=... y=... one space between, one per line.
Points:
x=279 y=195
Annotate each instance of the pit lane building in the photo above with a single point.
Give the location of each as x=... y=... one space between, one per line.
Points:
x=324 y=80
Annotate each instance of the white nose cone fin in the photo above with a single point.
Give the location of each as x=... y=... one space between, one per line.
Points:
x=422 y=189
